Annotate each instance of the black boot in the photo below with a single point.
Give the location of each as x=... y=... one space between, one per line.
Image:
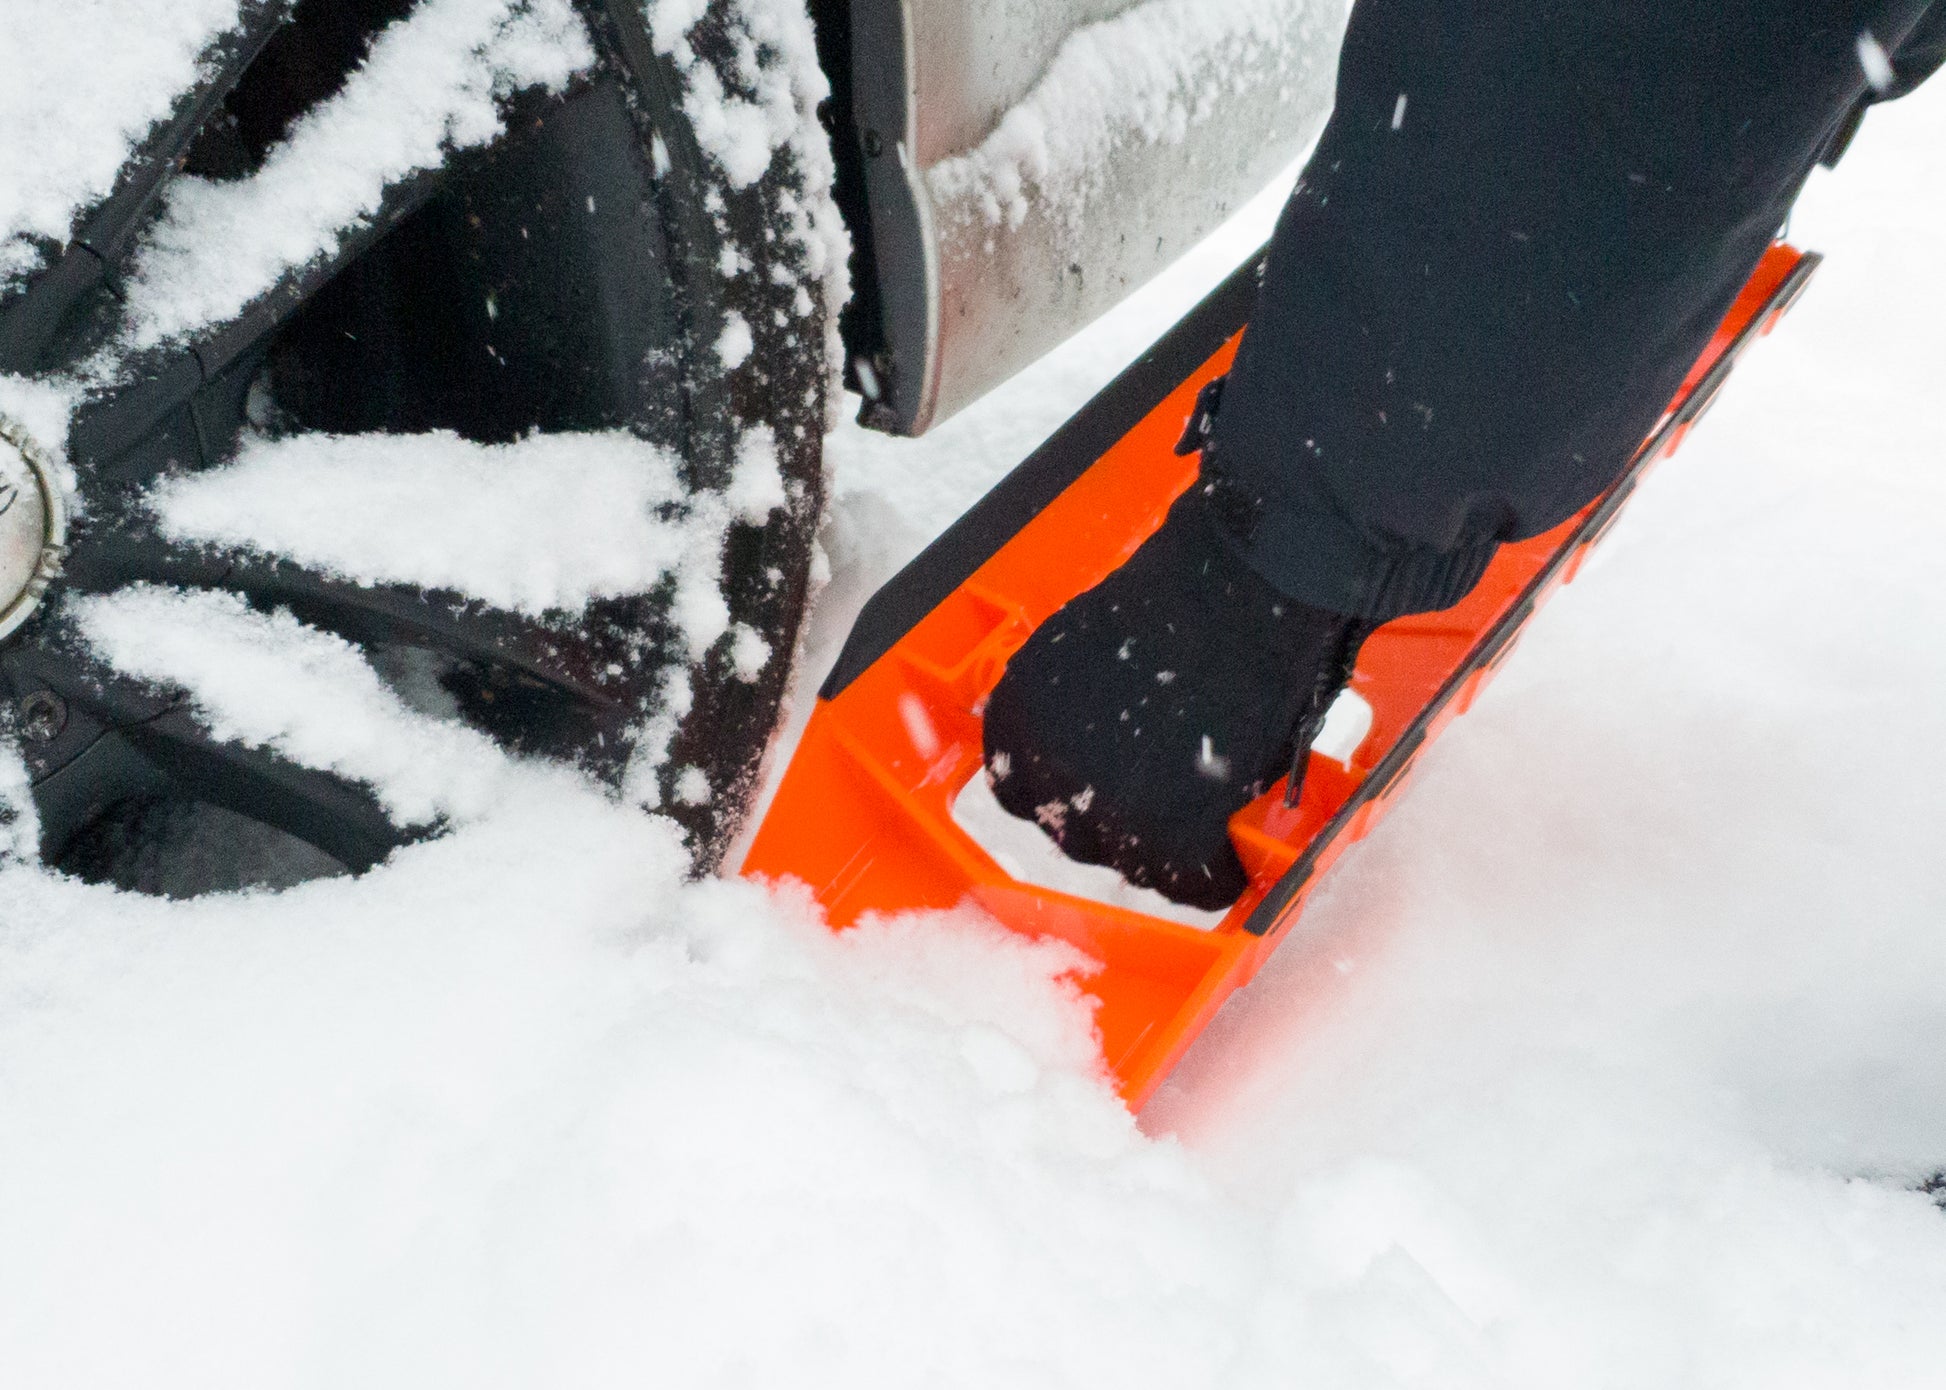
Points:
x=1141 y=716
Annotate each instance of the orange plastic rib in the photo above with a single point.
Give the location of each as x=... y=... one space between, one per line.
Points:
x=863 y=814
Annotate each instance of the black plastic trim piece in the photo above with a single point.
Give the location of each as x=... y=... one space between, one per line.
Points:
x=1046 y=473
x=900 y=391
x=862 y=321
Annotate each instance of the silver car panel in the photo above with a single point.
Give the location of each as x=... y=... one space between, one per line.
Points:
x=1031 y=162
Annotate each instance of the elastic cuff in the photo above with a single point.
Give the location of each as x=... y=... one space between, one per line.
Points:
x=1318 y=558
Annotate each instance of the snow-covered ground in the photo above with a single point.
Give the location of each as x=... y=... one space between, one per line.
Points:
x=1611 y=1060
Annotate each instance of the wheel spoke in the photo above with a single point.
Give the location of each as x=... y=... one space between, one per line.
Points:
x=93 y=740
x=109 y=232
x=32 y=321
x=190 y=398
x=557 y=690
x=340 y=818
x=566 y=689
x=66 y=721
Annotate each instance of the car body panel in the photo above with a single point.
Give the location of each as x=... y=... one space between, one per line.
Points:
x=1029 y=163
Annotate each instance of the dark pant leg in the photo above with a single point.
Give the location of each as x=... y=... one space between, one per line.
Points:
x=1522 y=224
x=1921 y=55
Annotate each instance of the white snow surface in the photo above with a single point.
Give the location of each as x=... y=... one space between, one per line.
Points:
x=431 y=83
x=1608 y=1061
x=131 y=57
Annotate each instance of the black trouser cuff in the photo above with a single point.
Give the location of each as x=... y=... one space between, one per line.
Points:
x=1319 y=558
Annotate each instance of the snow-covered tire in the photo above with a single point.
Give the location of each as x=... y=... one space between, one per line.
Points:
x=620 y=227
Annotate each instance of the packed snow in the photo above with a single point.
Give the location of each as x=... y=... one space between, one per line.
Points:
x=1614 y=1058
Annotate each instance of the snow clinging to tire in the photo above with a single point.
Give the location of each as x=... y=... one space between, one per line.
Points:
x=772 y=110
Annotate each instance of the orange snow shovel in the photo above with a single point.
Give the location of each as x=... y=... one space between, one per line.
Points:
x=864 y=812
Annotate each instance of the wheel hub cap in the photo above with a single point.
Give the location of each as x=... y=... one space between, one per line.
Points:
x=33 y=525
